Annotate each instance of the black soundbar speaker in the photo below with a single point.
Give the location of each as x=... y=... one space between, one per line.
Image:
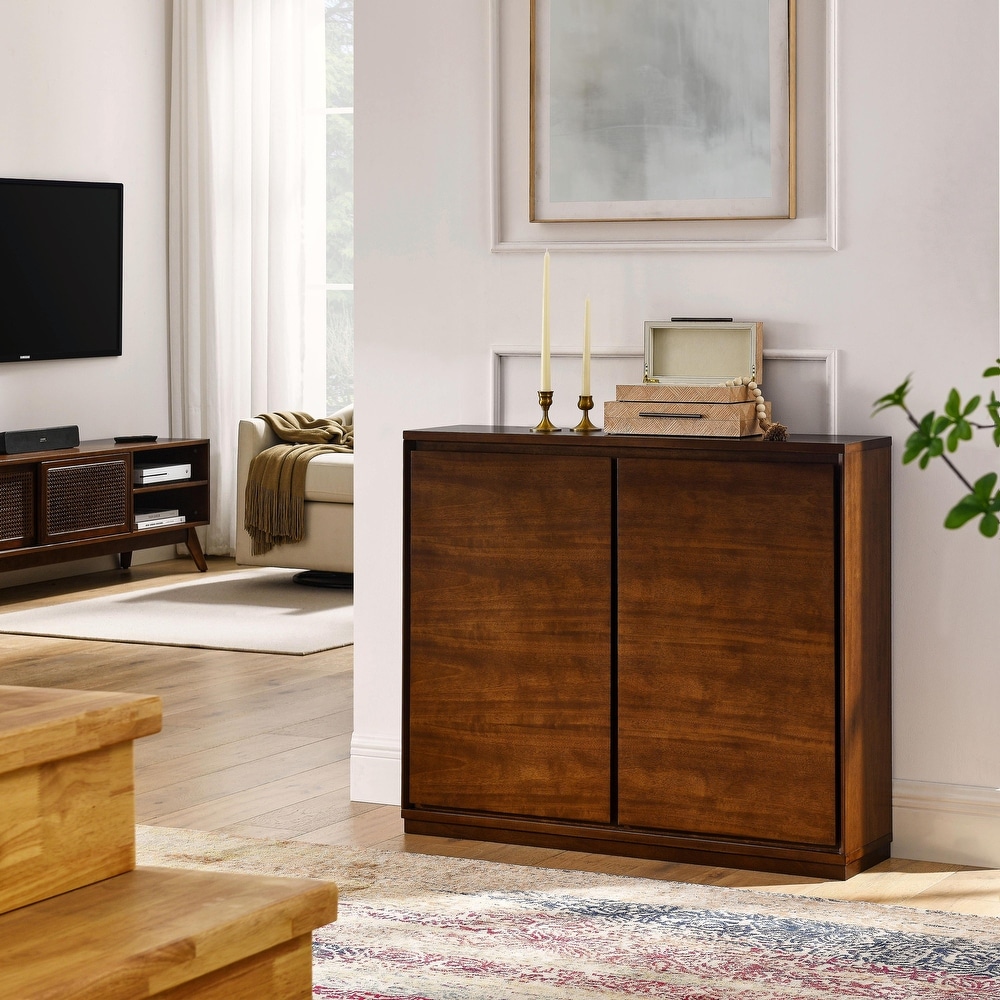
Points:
x=42 y=439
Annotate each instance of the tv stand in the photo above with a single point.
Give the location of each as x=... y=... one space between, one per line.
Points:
x=75 y=503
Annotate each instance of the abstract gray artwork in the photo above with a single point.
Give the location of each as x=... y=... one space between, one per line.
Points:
x=661 y=107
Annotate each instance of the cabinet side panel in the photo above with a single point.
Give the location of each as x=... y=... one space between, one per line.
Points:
x=867 y=648
x=727 y=651
x=509 y=654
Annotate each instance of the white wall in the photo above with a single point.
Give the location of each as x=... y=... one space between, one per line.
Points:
x=85 y=98
x=85 y=90
x=913 y=287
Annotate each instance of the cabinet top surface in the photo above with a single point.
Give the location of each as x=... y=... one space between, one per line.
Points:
x=522 y=436
x=102 y=446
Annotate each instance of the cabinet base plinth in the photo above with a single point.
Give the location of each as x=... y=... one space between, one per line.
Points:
x=651 y=846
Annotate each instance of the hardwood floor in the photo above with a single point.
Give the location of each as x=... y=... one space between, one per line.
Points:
x=258 y=745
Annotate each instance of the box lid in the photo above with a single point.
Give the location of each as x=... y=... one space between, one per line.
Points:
x=703 y=352
x=671 y=392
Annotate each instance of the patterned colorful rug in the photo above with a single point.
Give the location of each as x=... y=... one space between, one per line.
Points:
x=413 y=927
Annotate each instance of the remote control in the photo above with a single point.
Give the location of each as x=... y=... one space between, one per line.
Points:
x=134 y=438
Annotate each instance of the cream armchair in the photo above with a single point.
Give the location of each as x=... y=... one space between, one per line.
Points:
x=328 y=545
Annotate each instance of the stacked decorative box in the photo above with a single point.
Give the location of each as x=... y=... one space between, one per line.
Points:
x=687 y=363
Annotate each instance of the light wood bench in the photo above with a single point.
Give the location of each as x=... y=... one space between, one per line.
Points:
x=66 y=784
x=78 y=920
x=167 y=933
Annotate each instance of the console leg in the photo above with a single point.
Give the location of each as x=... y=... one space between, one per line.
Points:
x=194 y=547
x=124 y=559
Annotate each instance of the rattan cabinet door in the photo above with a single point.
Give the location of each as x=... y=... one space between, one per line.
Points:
x=508 y=666
x=85 y=498
x=17 y=506
x=728 y=661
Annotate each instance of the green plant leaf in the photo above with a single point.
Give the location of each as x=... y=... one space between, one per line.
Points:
x=965 y=510
x=926 y=442
x=981 y=503
x=895 y=398
x=985 y=485
x=993 y=409
x=934 y=433
x=953 y=407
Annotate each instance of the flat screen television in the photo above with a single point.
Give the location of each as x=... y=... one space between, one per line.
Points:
x=60 y=269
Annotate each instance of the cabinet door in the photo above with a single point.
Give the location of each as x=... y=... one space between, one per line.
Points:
x=728 y=658
x=84 y=498
x=509 y=677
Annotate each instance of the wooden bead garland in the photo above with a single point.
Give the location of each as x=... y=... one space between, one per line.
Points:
x=772 y=431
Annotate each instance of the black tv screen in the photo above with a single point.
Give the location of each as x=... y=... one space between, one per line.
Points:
x=60 y=269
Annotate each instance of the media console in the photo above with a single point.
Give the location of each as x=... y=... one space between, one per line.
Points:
x=75 y=503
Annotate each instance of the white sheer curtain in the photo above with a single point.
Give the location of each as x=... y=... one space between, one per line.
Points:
x=246 y=224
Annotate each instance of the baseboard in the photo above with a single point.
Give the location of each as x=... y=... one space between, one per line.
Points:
x=932 y=821
x=376 y=770
x=954 y=824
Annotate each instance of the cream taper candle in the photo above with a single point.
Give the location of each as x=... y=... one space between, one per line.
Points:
x=585 y=391
x=546 y=374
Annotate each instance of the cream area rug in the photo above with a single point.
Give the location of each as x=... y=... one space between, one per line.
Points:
x=412 y=926
x=254 y=610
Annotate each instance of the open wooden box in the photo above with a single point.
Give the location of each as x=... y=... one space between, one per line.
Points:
x=687 y=363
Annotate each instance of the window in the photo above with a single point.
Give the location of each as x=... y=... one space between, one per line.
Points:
x=339 y=203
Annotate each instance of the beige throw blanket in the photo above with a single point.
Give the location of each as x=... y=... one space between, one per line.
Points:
x=275 y=491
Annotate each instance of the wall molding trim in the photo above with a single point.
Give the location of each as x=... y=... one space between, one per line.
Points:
x=829 y=361
x=376 y=770
x=599 y=237
x=954 y=824
x=498 y=355
x=500 y=390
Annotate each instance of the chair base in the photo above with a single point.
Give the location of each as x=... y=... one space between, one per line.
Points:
x=321 y=578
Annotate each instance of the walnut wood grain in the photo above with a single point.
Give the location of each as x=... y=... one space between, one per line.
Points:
x=509 y=676
x=749 y=657
x=727 y=649
x=867 y=649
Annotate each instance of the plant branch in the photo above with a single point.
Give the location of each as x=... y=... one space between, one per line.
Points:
x=947 y=461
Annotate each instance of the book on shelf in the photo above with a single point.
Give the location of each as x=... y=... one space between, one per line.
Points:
x=152 y=514
x=160 y=522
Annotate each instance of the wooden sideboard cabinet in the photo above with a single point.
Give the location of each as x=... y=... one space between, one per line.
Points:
x=673 y=648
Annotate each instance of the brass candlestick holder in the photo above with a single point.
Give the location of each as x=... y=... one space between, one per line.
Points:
x=585 y=403
x=545 y=426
